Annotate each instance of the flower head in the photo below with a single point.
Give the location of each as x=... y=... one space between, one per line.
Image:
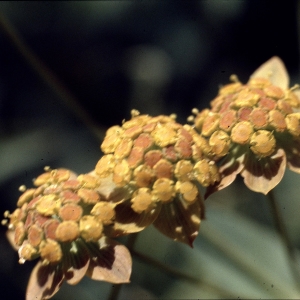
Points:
x=253 y=129
x=62 y=221
x=160 y=163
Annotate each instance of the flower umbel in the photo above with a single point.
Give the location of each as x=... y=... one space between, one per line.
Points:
x=254 y=129
x=160 y=164
x=63 y=221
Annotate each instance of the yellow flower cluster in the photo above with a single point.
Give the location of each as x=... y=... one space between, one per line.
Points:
x=257 y=115
x=155 y=158
x=63 y=208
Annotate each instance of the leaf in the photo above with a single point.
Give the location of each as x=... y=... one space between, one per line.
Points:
x=44 y=282
x=273 y=69
x=128 y=221
x=262 y=175
x=180 y=221
x=110 y=261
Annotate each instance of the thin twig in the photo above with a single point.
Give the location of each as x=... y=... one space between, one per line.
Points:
x=282 y=231
x=49 y=77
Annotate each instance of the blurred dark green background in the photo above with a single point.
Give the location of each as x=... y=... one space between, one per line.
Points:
x=160 y=57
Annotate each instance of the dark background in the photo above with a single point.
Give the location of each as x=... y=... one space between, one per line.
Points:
x=160 y=57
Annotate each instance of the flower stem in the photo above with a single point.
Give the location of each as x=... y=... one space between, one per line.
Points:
x=282 y=231
x=49 y=77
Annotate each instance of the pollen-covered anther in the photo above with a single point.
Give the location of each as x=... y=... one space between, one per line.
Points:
x=200 y=147
x=141 y=200
x=230 y=88
x=219 y=142
x=88 y=181
x=48 y=205
x=259 y=118
x=144 y=141
x=244 y=113
x=188 y=190
x=104 y=212
x=260 y=83
x=70 y=212
x=50 y=251
x=42 y=179
x=276 y=119
x=135 y=157
x=72 y=184
x=90 y=228
x=227 y=120
x=60 y=175
x=35 y=235
x=246 y=98
x=50 y=227
x=105 y=165
x=184 y=148
x=133 y=132
x=292 y=99
x=14 y=218
x=143 y=176
x=164 y=135
x=152 y=157
x=124 y=148
x=206 y=172
x=25 y=197
x=112 y=139
x=293 y=124
x=88 y=196
x=22 y=188
x=183 y=170
x=20 y=233
x=163 y=189
x=163 y=169
x=122 y=173
x=263 y=143
x=210 y=124
x=242 y=132
x=27 y=252
x=284 y=107
x=274 y=92
x=267 y=103
x=200 y=117
x=137 y=120
x=67 y=231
